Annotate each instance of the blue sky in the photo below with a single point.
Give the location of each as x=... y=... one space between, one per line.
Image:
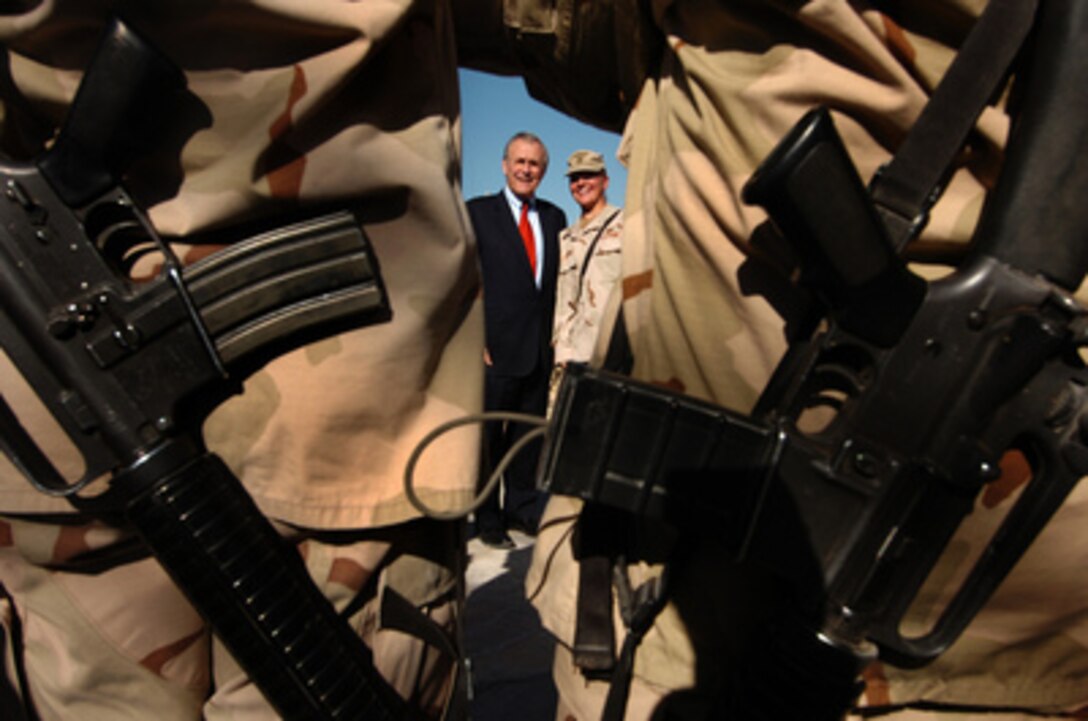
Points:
x=493 y=108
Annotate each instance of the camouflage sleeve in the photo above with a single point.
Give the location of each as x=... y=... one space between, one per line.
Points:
x=551 y=43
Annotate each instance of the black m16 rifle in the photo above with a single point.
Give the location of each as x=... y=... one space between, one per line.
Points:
x=130 y=371
x=927 y=385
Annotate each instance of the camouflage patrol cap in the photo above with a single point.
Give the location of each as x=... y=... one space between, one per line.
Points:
x=585 y=161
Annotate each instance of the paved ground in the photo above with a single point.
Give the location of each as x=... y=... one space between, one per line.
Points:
x=510 y=655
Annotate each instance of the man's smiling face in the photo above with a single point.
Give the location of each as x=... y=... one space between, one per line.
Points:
x=524 y=167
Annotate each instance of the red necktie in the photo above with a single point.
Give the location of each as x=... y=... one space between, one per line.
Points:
x=527 y=236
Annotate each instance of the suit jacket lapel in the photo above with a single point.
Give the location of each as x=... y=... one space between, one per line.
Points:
x=549 y=222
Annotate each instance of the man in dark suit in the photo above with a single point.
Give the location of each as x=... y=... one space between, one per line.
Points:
x=517 y=235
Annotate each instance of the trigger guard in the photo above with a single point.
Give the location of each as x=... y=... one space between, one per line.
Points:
x=29 y=459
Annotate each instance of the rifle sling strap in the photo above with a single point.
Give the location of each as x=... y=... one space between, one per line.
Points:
x=907 y=186
x=591 y=249
x=638 y=608
x=594 y=636
x=400 y=614
x=15 y=698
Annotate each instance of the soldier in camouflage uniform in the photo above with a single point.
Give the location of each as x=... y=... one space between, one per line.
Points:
x=589 y=264
x=336 y=103
x=705 y=90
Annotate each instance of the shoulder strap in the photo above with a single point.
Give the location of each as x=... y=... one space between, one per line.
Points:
x=15 y=698
x=907 y=187
x=400 y=614
x=594 y=647
x=592 y=247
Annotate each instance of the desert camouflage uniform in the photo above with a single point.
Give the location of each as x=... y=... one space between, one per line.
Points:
x=329 y=102
x=581 y=300
x=732 y=79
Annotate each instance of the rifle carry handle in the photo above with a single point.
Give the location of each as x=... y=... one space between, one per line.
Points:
x=845 y=254
x=121 y=105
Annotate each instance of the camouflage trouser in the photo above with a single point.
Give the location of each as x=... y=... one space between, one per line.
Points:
x=94 y=630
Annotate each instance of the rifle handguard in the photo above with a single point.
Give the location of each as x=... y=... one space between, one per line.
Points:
x=253 y=587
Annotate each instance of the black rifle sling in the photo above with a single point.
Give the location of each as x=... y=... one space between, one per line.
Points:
x=907 y=186
x=597 y=543
x=15 y=699
x=400 y=614
x=619 y=358
x=594 y=638
x=638 y=608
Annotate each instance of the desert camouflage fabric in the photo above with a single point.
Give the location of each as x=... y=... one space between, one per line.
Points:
x=309 y=109
x=581 y=298
x=103 y=634
x=309 y=103
x=733 y=79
